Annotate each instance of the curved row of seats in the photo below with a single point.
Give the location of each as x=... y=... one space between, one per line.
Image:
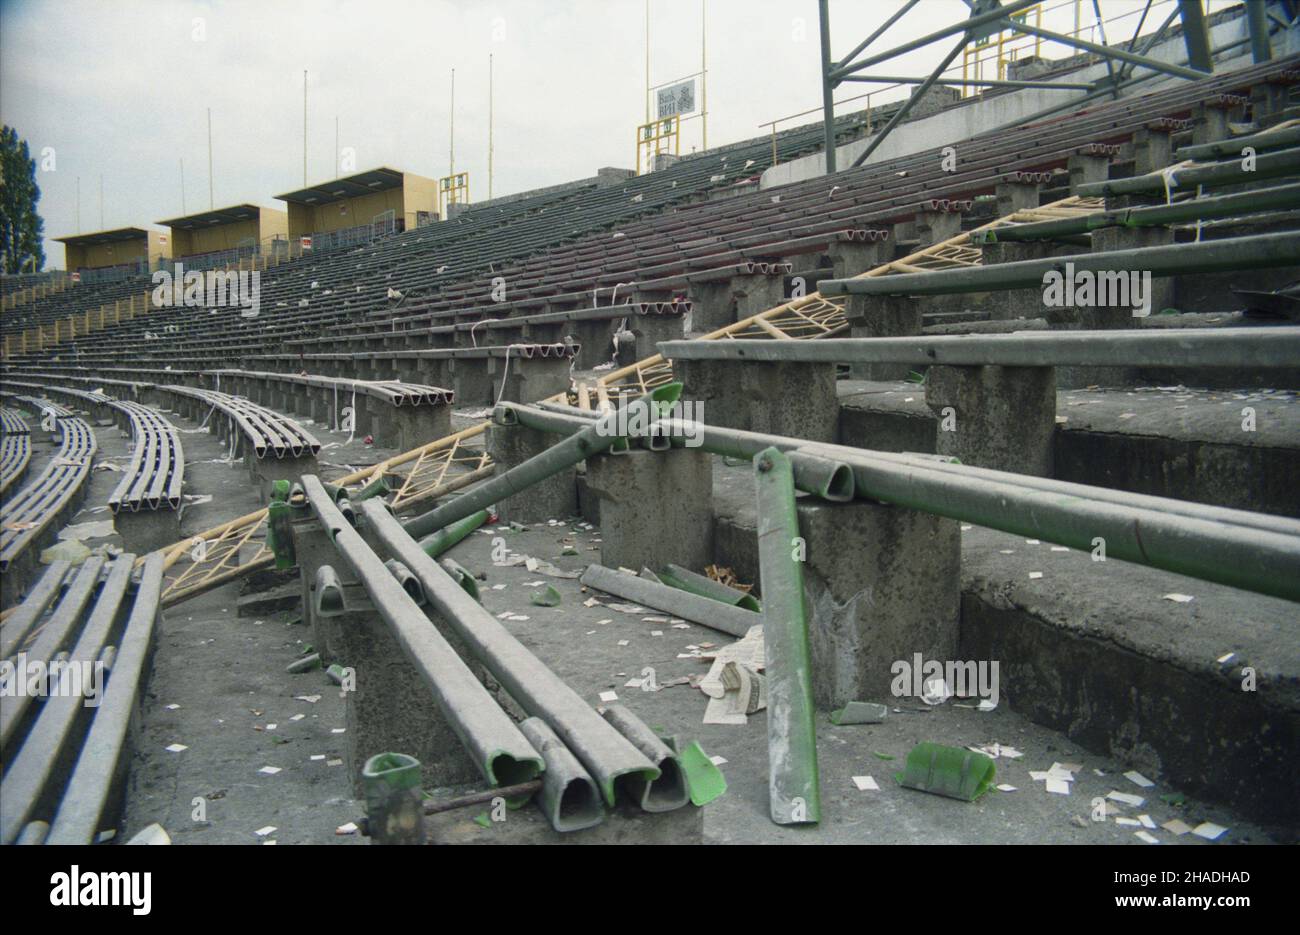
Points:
x=15 y=448
x=32 y=513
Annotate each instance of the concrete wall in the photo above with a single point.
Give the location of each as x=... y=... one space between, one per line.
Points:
x=418 y=194
x=154 y=246
x=345 y=212
x=982 y=114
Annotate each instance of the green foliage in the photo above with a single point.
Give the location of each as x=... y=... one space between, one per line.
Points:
x=21 y=227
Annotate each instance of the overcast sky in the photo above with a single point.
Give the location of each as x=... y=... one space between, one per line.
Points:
x=121 y=88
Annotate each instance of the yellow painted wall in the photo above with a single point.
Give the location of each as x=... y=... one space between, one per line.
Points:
x=420 y=194
x=94 y=256
x=274 y=224
x=346 y=212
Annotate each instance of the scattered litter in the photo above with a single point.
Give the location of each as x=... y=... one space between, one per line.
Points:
x=1035 y=574
x=269 y=770
x=1005 y=787
x=624 y=642
x=1058 y=786
x=1128 y=822
x=297 y=717
x=628 y=608
x=865 y=784
x=605 y=621
x=263 y=832
x=338 y=730
x=1147 y=821
x=1208 y=830
x=94 y=530
x=310 y=699
x=1177 y=827
x=1124 y=798
x=1060 y=548
x=859 y=712
x=172 y=707
x=305 y=664
x=318 y=756
x=717 y=760
x=549 y=597
x=1138 y=779
x=349 y=828
x=1146 y=836
x=1179 y=598
x=338 y=762
x=1225 y=658
x=609 y=696
x=590 y=602
x=176 y=748
x=744 y=692
x=996 y=750
x=518 y=618
x=947 y=771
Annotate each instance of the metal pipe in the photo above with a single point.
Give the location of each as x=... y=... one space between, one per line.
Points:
x=793 y=787
x=828 y=87
x=880 y=31
x=676 y=576
x=1270 y=347
x=570 y=800
x=605 y=753
x=1231 y=148
x=1257 y=251
x=1196 y=209
x=815 y=474
x=596 y=438
x=668 y=791
x=449 y=535
x=492 y=739
x=1196 y=35
x=735 y=621
x=977 y=82
x=1267 y=166
x=1244 y=550
x=1257 y=23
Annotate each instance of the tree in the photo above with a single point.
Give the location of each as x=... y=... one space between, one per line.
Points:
x=21 y=228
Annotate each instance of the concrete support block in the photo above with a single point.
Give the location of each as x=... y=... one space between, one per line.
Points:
x=655 y=507
x=851 y=258
x=1210 y=123
x=718 y=304
x=651 y=329
x=1085 y=168
x=1019 y=303
x=1153 y=150
x=782 y=398
x=266 y=471
x=1003 y=418
x=416 y=425
x=550 y=498
x=882 y=584
x=1016 y=196
x=886 y=316
x=526 y=380
x=934 y=227
x=596 y=338
x=471 y=381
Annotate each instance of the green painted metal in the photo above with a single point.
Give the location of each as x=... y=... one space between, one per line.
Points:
x=948 y=771
x=449 y=535
x=394 y=806
x=1262 y=142
x=1280 y=198
x=593 y=439
x=793 y=785
x=1236 y=254
x=1267 y=166
x=678 y=577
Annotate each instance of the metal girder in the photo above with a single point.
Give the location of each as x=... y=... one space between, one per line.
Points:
x=972 y=82
x=1257 y=22
x=1106 y=51
x=1196 y=35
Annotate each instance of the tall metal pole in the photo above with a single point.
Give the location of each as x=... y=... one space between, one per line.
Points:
x=451 y=156
x=101 y=202
x=1257 y=21
x=211 y=199
x=1196 y=35
x=490 y=151
x=704 y=72
x=828 y=86
x=336 y=146
x=78 y=204
x=647 y=61
x=183 y=211
x=304 y=128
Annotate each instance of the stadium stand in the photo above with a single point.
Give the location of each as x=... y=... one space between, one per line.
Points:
x=15 y=437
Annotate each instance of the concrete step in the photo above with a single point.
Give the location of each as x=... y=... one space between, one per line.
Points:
x=1167 y=441
x=1096 y=651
